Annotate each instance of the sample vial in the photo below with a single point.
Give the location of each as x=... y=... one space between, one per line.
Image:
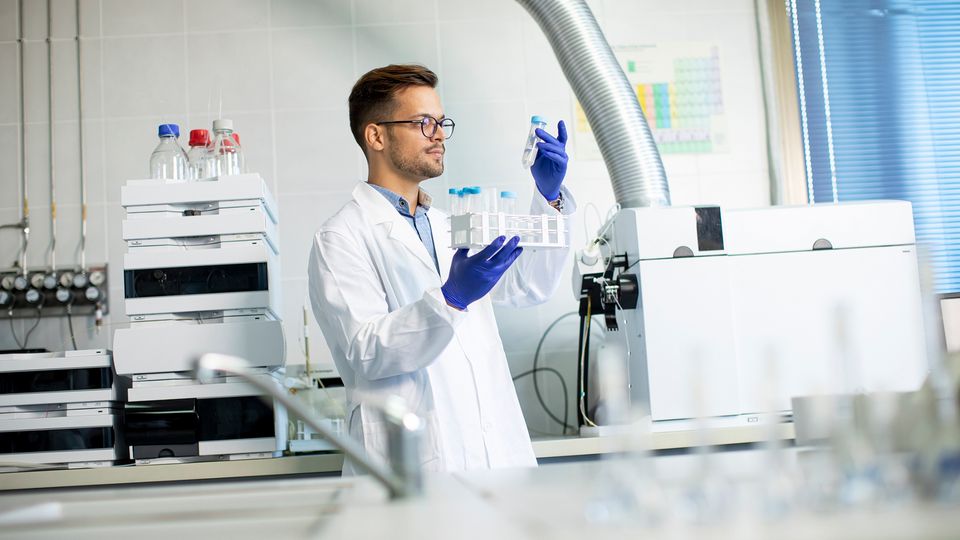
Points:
x=530 y=149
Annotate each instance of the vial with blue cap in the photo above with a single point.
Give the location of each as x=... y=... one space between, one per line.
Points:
x=530 y=150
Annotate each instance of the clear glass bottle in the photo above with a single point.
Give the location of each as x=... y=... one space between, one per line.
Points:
x=198 y=157
x=168 y=160
x=226 y=153
x=530 y=149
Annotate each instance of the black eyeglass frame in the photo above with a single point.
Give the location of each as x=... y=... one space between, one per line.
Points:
x=424 y=122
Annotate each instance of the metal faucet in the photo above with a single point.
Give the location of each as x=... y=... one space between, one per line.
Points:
x=402 y=475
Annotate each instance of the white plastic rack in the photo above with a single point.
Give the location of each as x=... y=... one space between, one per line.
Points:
x=476 y=230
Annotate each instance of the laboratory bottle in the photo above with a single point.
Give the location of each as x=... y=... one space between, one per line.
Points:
x=168 y=161
x=471 y=200
x=243 y=162
x=227 y=157
x=530 y=149
x=198 y=157
x=454 y=201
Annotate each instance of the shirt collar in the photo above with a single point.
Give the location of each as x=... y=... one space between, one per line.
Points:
x=423 y=200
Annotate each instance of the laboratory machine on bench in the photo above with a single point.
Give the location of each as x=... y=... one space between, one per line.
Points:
x=727 y=314
x=61 y=409
x=201 y=274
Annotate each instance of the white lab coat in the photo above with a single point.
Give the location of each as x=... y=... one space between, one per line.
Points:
x=376 y=295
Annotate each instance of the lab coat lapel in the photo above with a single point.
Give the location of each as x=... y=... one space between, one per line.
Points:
x=385 y=215
x=440 y=225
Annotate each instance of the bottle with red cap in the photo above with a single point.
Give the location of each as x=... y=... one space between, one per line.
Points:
x=198 y=157
x=226 y=153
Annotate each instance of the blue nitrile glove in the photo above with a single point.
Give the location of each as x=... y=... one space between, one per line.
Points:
x=472 y=277
x=551 y=164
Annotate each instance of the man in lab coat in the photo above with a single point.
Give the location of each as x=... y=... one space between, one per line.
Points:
x=401 y=312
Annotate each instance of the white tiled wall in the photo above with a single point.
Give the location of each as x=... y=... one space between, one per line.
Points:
x=282 y=70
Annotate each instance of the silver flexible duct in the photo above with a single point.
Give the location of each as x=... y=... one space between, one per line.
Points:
x=607 y=98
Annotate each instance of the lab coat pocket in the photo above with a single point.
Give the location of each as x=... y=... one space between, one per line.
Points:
x=376 y=443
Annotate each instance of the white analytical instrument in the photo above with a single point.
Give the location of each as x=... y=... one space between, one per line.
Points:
x=201 y=274
x=730 y=313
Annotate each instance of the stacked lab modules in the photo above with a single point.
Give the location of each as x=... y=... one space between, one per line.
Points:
x=61 y=409
x=201 y=274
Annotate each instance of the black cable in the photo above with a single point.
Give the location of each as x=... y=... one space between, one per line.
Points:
x=13 y=331
x=73 y=338
x=26 y=340
x=563 y=384
x=536 y=386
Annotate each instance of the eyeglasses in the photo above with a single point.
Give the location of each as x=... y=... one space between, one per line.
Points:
x=428 y=125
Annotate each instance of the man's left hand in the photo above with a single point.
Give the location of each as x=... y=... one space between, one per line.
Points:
x=551 y=164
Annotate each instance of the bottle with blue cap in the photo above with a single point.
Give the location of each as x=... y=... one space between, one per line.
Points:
x=168 y=161
x=530 y=150
x=454 y=195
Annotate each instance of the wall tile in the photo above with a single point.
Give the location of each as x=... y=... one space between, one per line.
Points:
x=396 y=44
x=490 y=71
x=144 y=76
x=8 y=20
x=542 y=74
x=65 y=81
x=92 y=59
x=499 y=130
x=468 y=10
x=64 y=18
x=139 y=17
x=396 y=12
x=312 y=68
x=9 y=169
x=226 y=15
x=9 y=84
x=35 y=81
x=300 y=217
x=298 y=13
x=302 y=138
x=35 y=20
x=90 y=18
x=231 y=66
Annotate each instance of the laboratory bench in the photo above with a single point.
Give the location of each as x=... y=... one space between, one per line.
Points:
x=549 y=450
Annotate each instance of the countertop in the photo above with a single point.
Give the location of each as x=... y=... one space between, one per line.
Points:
x=546 y=449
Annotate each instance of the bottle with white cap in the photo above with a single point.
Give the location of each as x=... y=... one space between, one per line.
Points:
x=227 y=156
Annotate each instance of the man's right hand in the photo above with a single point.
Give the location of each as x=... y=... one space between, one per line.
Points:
x=472 y=277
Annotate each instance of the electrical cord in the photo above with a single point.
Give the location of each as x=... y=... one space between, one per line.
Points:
x=536 y=386
x=26 y=340
x=563 y=384
x=583 y=362
x=536 y=362
x=73 y=338
x=13 y=331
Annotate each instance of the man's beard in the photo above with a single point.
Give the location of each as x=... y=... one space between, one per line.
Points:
x=421 y=165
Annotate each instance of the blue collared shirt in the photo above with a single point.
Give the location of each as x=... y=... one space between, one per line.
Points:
x=419 y=220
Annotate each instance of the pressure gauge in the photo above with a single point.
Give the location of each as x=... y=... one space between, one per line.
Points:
x=36 y=280
x=6 y=299
x=6 y=283
x=80 y=281
x=20 y=283
x=66 y=279
x=64 y=296
x=97 y=278
x=50 y=282
x=92 y=294
x=33 y=297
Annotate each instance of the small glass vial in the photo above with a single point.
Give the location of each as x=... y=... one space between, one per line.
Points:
x=453 y=194
x=508 y=202
x=530 y=150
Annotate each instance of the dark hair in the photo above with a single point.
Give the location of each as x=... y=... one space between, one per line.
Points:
x=372 y=96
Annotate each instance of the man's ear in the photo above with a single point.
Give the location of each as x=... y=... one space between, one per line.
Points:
x=374 y=135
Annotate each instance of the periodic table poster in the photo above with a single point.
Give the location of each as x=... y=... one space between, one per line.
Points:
x=679 y=89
